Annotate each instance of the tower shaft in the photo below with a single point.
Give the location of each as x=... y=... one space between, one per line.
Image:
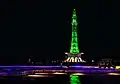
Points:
x=74 y=41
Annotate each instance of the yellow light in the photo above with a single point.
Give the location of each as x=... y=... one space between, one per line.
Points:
x=41 y=73
x=59 y=73
x=117 y=67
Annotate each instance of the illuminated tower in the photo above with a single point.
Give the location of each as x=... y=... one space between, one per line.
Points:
x=74 y=55
x=74 y=41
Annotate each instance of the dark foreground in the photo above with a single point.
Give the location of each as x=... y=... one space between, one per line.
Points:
x=62 y=79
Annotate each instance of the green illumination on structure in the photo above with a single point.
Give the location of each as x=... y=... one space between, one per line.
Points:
x=74 y=79
x=74 y=42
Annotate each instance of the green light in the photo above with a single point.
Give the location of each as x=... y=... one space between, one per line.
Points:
x=74 y=41
x=74 y=79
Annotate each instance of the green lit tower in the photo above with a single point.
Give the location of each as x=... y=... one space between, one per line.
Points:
x=74 y=41
x=74 y=55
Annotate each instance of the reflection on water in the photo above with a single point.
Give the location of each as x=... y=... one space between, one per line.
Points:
x=63 y=79
x=94 y=79
x=74 y=79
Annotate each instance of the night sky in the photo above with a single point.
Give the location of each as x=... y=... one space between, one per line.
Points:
x=42 y=29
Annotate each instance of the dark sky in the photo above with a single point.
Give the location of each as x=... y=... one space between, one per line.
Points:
x=43 y=29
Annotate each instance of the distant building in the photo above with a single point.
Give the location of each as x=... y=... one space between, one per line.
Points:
x=30 y=60
x=105 y=61
x=116 y=62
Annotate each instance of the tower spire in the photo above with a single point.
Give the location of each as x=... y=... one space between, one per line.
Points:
x=74 y=49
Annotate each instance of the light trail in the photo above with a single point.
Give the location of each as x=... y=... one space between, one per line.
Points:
x=113 y=73
x=37 y=76
x=50 y=73
x=78 y=74
x=47 y=66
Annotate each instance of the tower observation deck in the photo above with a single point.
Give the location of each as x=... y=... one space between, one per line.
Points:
x=74 y=55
